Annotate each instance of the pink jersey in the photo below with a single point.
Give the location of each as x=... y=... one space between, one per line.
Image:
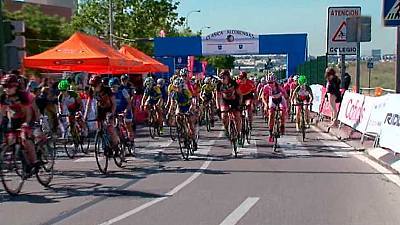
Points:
x=273 y=92
x=293 y=85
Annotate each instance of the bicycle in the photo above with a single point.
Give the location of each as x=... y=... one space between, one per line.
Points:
x=73 y=134
x=245 y=134
x=186 y=143
x=154 y=127
x=208 y=115
x=14 y=164
x=103 y=149
x=302 y=119
x=233 y=133
x=276 y=132
x=126 y=142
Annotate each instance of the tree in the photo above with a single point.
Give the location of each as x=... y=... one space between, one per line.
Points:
x=132 y=19
x=41 y=31
x=221 y=62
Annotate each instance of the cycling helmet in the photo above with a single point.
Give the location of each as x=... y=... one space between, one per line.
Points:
x=224 y=73
x=271 y=78
x=295 y=77
x=95 y=80
x=33 y=85
x=148 y=82
x=10 y=80
x=183 y=72
x=302 y=80
x=113 y=81
x=63 y=85
x=207 y=80
x=161 y=81
x=125 y=77
x=180 y=83
x=263 y=80
x=243 y=74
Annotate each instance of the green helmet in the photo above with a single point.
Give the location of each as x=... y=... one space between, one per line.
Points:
x=302 y=80
x=63 y=85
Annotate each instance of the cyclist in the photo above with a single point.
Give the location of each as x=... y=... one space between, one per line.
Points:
x=70 y=104
x=182 y=98
x=106 y=105
x=153 y=98
x=18 y=110
x=123 y=103
x=276 y=96
x=229 y=98
x=247 y=88
x=302 y=94
x=207 y=96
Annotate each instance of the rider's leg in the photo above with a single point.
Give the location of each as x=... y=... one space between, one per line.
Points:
x=128 y=124
x=298 y=117
x=27 y=143
x=249 y=105
x=283 y=106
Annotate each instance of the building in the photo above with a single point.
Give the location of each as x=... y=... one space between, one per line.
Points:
x=376 y=54
x=62 y=8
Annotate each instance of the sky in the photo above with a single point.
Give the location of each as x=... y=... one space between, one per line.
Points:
x=285 y=16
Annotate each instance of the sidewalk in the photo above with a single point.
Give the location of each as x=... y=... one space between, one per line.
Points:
x=353 y=138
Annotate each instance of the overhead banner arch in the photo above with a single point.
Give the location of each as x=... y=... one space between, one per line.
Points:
x=235 y=42
x=230 y=42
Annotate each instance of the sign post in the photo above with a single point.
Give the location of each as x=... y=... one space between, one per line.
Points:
x=370 y=66
x=337 y=34
x=391 y=18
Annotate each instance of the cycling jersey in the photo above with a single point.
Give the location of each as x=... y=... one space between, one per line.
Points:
x=16 y=107
x=103 y=100
x=228 y=91
x=207 y=89
x=69 y=103
x=196 y=90
x=154 y=95
x=121 y=100
x=171 y=89
x=246 y=87
x=183 y=99
x=302 y=93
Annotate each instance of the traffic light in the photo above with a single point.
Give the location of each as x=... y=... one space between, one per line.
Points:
x=8 y=30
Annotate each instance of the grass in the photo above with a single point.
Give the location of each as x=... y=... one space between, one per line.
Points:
x=382 y=75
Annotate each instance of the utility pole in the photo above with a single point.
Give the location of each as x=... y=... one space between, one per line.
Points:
x=110 y=15
x=2 y=52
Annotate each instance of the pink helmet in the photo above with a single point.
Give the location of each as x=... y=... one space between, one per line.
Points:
x=271 y=78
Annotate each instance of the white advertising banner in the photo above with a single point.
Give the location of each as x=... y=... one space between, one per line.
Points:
x=390 y=134
x=336 y=35
x=230 y=42
x=352 y=111
x=378 y=113
x=317 y=93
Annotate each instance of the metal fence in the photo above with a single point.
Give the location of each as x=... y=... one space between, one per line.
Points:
x=314 y=70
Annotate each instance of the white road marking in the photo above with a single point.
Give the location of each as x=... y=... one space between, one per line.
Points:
x=240 y=211
x=378 y=167
x=292 y=147
x=332 y=144
x=87 y=159
x=157 y=200
x=250 y=149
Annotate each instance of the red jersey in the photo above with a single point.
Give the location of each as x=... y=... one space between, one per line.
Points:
x=246 y=87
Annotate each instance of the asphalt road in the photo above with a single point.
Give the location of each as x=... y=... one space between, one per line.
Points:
x=317 y=182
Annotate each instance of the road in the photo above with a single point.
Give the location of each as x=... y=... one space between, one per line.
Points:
x=317 y=182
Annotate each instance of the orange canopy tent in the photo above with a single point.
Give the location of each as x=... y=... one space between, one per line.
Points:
x=150 y=65
x=83 y=52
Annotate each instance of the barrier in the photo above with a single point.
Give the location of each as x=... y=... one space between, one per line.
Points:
x=378 y=117
x=317 y=93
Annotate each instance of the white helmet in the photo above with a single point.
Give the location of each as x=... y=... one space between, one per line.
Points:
x=271 y=78
x=207 y=80
x=148 y=82
x=296 y=77
x=263 y=80
x=160 y=81
x=183 y=72
x=179 y=82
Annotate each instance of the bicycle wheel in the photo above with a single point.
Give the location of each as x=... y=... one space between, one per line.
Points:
x=11 y=170
x=72 y=149
x=248 y=131
x=303 y=125
x=151 y=125
x=172 y=132
x=101 y=151
x=182 y=142
x=119 y=155
x=233 y=138
x=276 y=130
x=46 y=155
x=207 y=119
x=241 y=137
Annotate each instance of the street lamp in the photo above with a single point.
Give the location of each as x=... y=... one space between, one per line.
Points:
x=110 y=15
x=205 y=27
x=187 y=17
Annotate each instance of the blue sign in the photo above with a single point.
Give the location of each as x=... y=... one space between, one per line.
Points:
x=370 y=65
x=391 y=13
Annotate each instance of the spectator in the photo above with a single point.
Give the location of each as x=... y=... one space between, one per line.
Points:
x=333 y=93
x=346 y=81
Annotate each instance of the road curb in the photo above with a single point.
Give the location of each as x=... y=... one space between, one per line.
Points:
x=385 y=157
